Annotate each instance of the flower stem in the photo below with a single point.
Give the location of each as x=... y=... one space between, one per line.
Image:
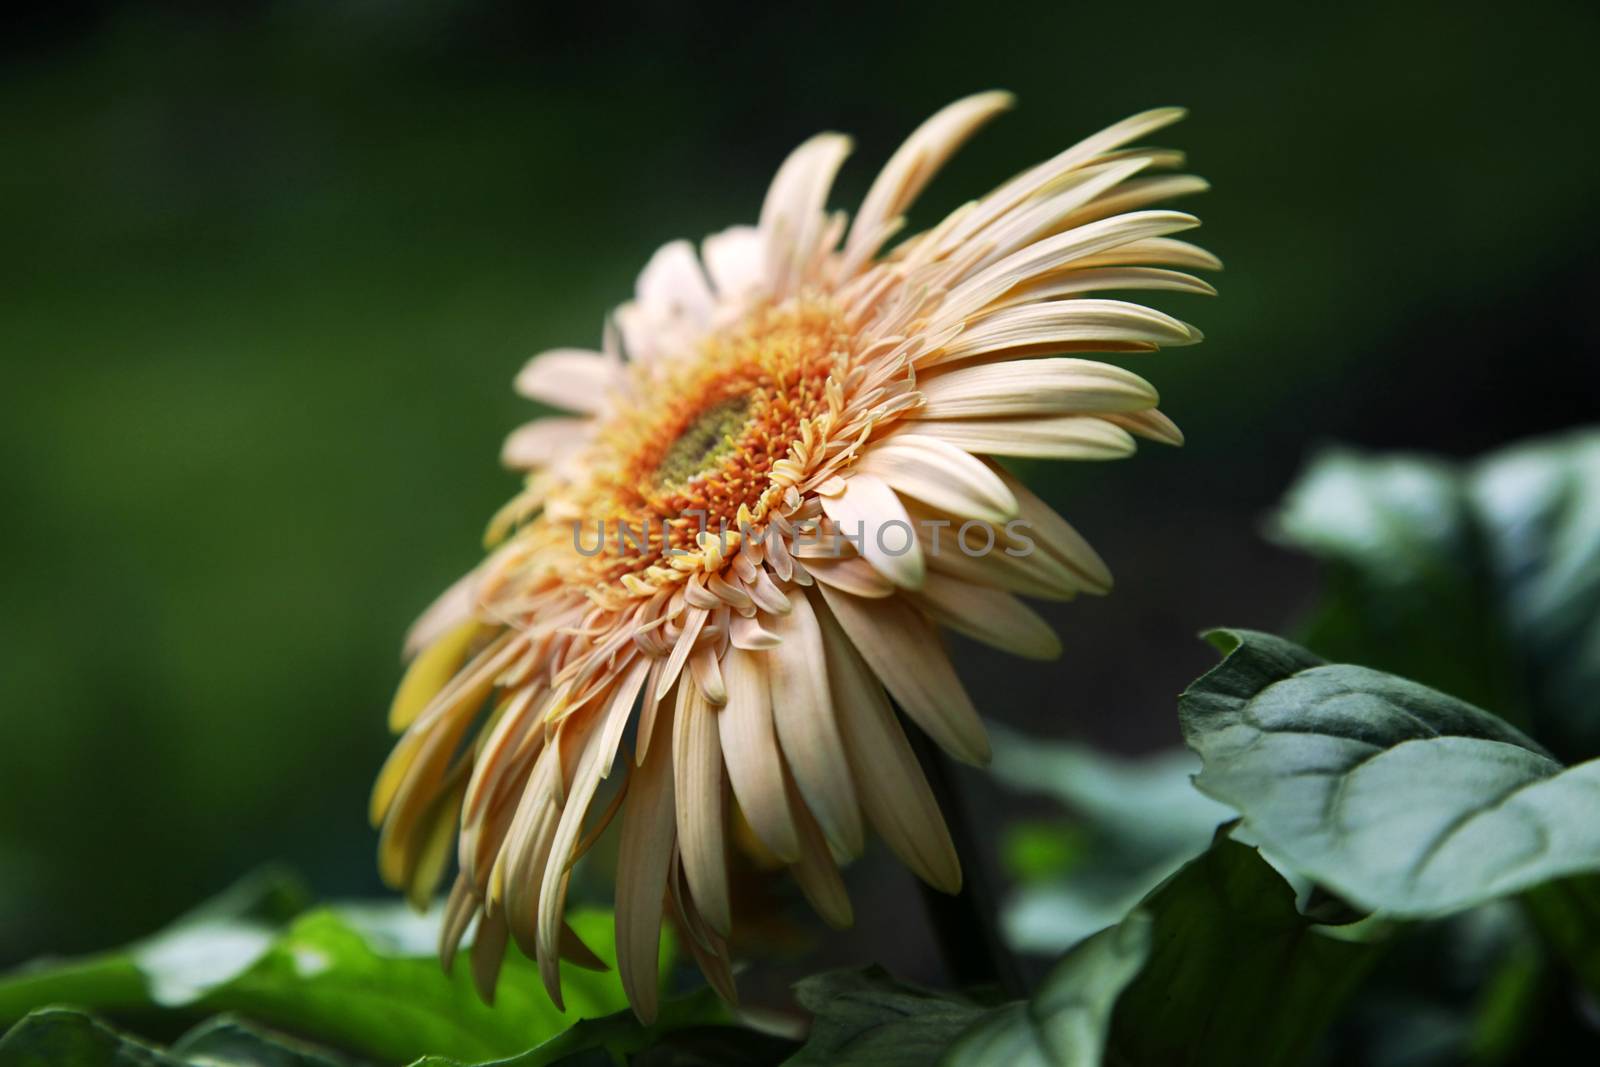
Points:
x=966 y=924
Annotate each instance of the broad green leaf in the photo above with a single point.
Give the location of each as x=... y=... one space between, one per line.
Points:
x=613 y=1038
x=1136 y=821
x=866 y=1018
x=1236 y=974
x=362 y=978
x=1399 y=798
x=226 y=1041
x=1481 y=579
x=208 y=945
x=1539 y=508
x=1067 y=1020
x=58 y=1037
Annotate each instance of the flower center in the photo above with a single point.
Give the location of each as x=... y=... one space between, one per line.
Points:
x=703 y=443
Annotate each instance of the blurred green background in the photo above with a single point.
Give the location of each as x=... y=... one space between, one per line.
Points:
x=269 y=273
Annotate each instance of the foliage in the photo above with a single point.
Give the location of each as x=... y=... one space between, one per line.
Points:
x=1133 y=823
x=1481 y=579
x=1407 y=870
x=362 y=979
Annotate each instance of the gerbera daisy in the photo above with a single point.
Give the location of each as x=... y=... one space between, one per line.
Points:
x=777 y=481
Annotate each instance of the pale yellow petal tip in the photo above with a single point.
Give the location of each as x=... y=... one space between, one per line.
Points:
x=990 y=100
x=1163 y=116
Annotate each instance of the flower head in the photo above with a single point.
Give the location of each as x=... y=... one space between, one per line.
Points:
x=778 y=479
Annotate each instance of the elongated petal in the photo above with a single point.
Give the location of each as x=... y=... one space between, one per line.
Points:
x=870 y=514
x=894 y=794
x=1054 y=253
x=802 y=710
x=644 y=858
x=852 y=575
x=1035 y=387
x=571 y=378
x=902 y=650
x=542 y=441
x=935 y=471
x=915 y=163
x=814 y=869
x=1058 y=537
x=429 y=673
x=1040 y=437
x=1077 y=324
x=989 y=615
x=672 y=285
x=697 y=782
x=792 y=217
x=750 y=749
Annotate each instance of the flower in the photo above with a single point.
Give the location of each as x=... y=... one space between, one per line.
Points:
x=778 y=478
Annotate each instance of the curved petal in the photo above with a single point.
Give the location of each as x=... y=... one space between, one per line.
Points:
x=571 y=378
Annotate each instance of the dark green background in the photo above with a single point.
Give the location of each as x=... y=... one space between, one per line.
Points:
x=268 y=275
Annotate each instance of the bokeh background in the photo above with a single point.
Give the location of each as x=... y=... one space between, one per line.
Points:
x=269 y=270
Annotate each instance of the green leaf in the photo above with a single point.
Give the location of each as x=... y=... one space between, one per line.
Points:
x=867 y=1018
x=53 y=1037
x=1136 y=821
x=1398 y=797
x=1481 y=579
x=1236 y=974
x=57 y=1036
x=226 y=1041
x=610 y=1039
x=361 y=978
x=1067 y=1020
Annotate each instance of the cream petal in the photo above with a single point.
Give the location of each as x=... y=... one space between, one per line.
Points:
x=1081 y=323
x=1101 y=279
x=889 y=780
x=694 y=620
x=750 y=749
x=488 y=950
x=915 y=163
x=1059 y=386
x=571 y=378
x=905 y=653
x=989 y=615
x=449 y=609
x=1005 y=557
x=1138 y=193
x=707 y=673
x=792 y=216
x=1154 y=251
x=1045 y=214
x=1047 y=437
x=814 y=870
x=673 y=286
x=735 y=259
x=644 y=857
x=941 y=474
x=697 y=779
x=1053 y=254
x=1150 y=424
x=1004 y=199
x=542 y=441
x=872 y=517
x=851 y=574
x=1058 y=538
x=751 y=635
x=802 y=711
